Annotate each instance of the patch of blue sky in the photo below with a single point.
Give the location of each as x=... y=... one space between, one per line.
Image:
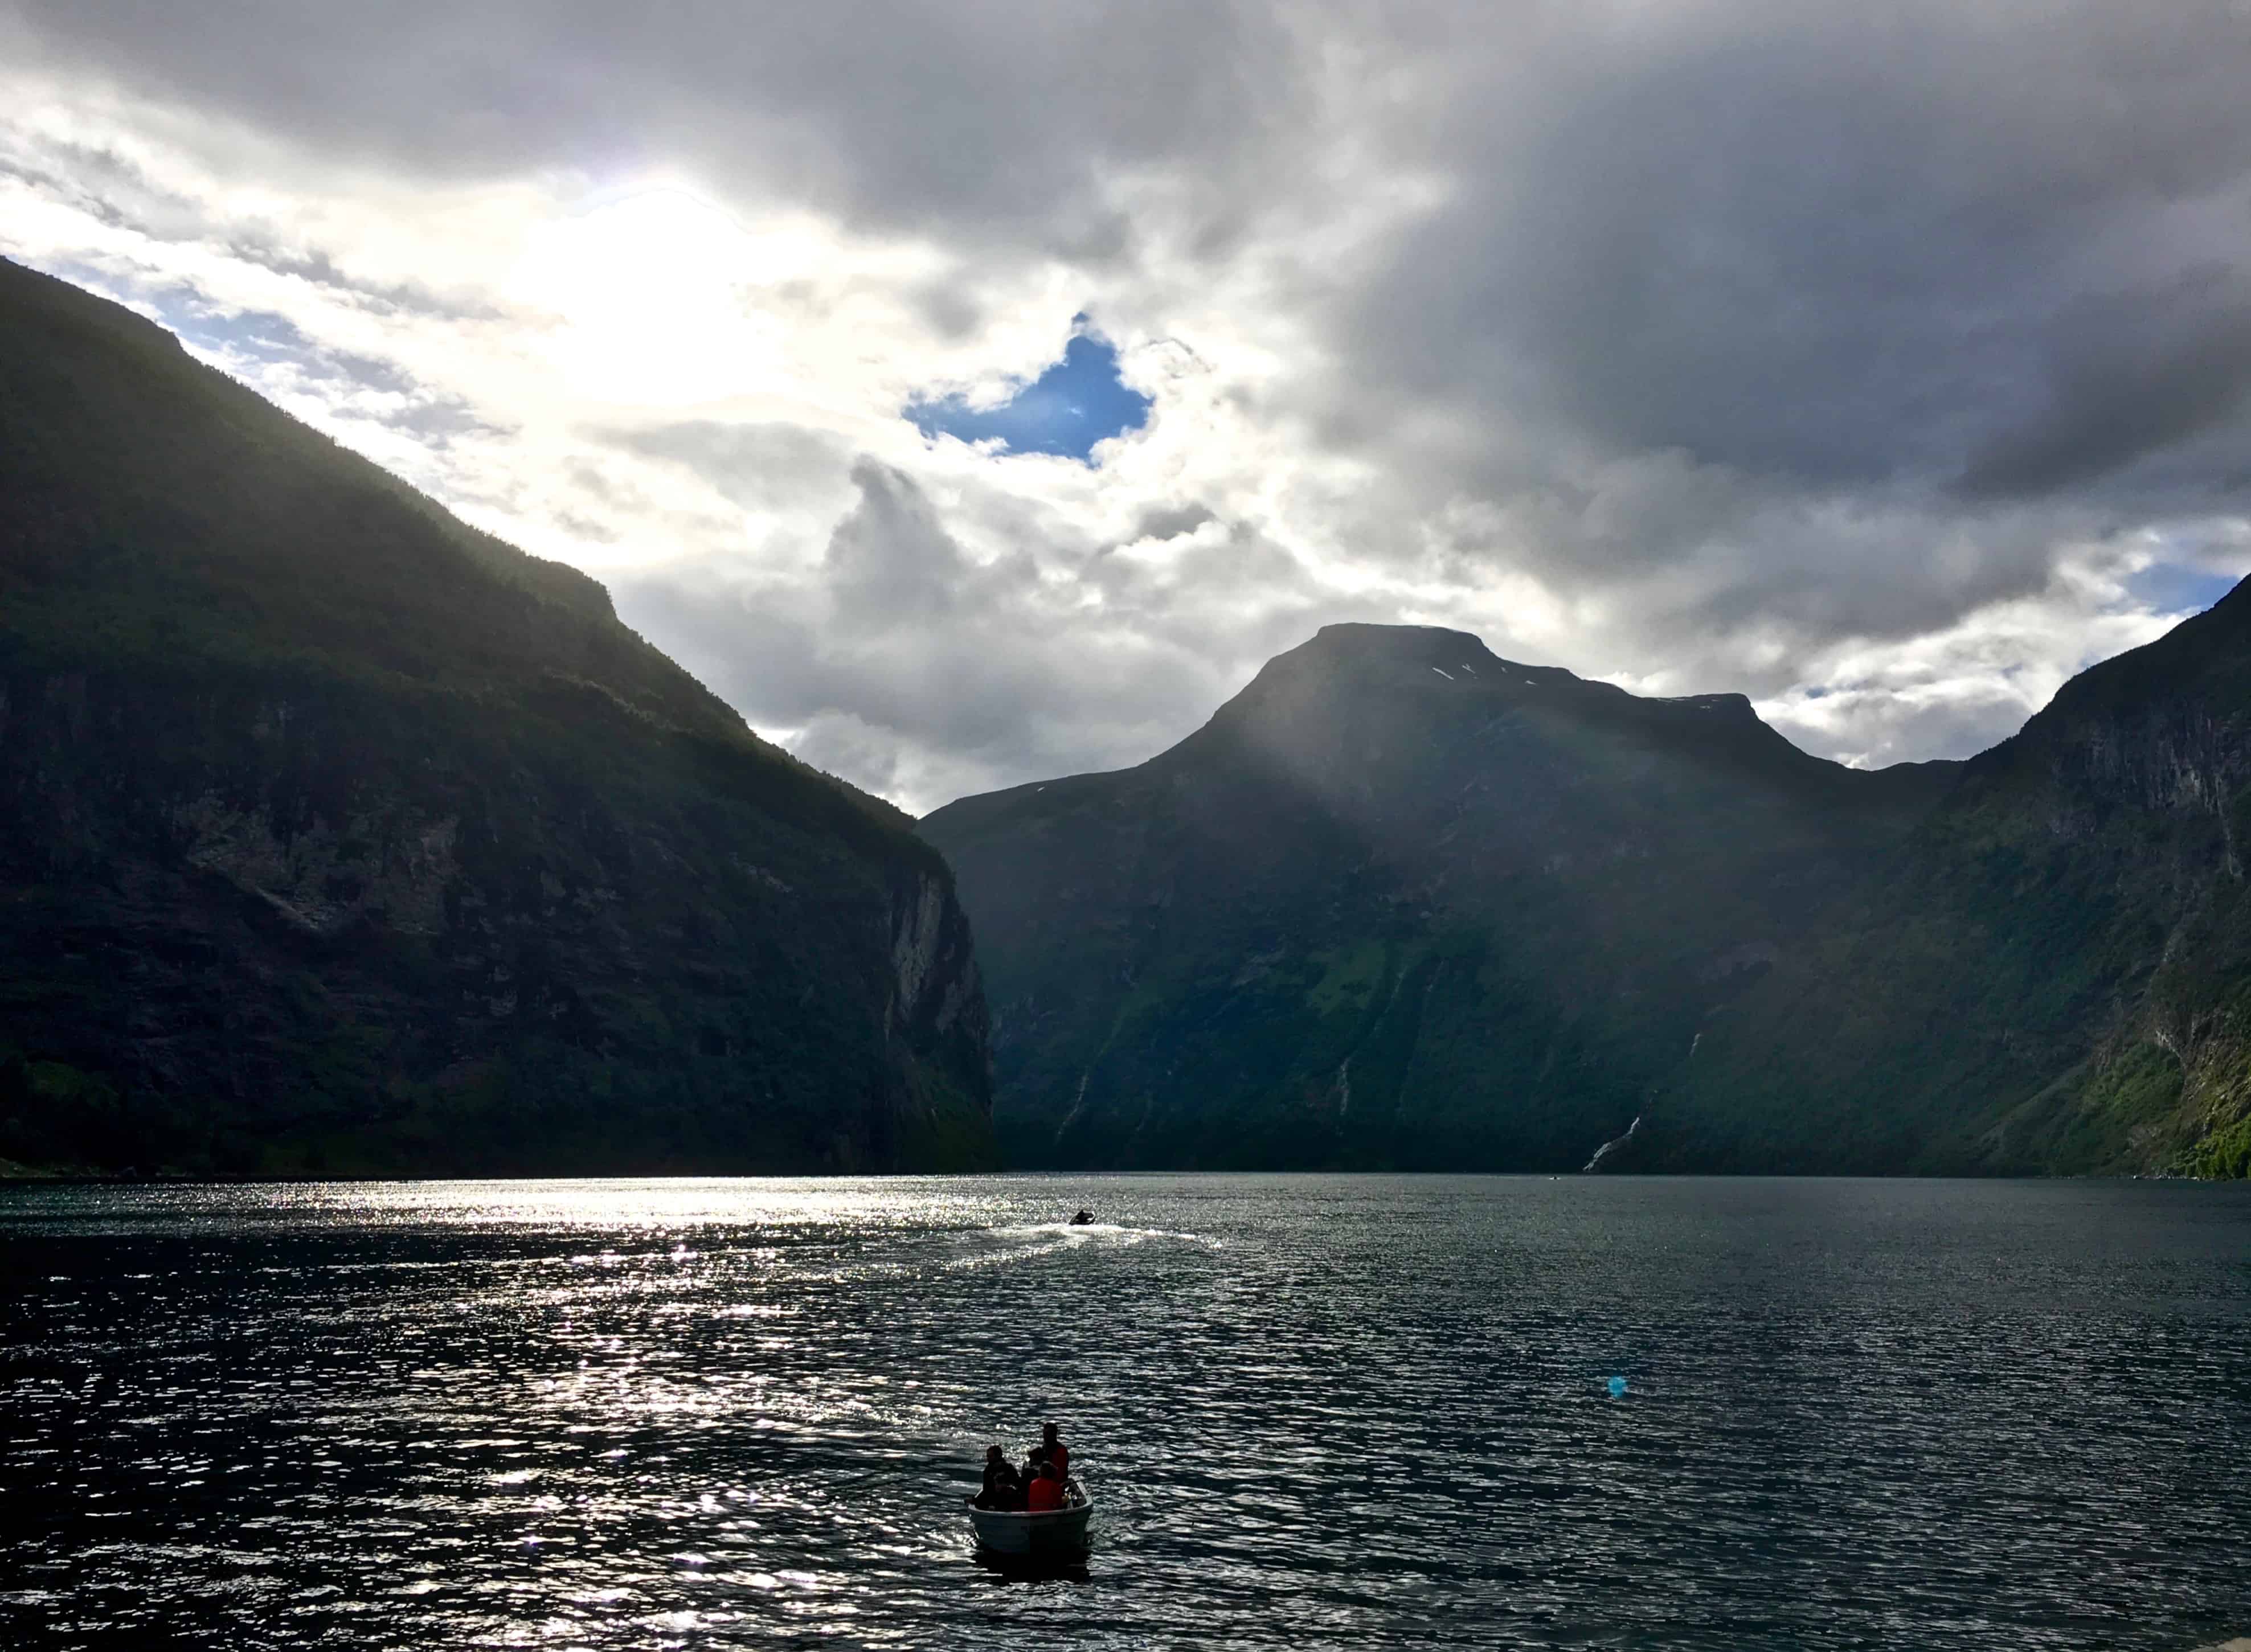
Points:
x=2173 y=588
x=241 y=340
x=1078 y=402
x=174 y=306
x=264 y=337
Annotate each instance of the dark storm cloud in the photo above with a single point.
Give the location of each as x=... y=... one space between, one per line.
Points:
x=2128 y=377
x=985 y=112
x=1833 y=246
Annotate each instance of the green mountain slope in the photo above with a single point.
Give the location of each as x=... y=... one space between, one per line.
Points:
x=336 y=835
x=2055 y=974
x=1403 y=903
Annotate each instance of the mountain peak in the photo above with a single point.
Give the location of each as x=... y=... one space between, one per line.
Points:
x=1732 y=707
x=1401 y=902
x=1359 y=645
x=1358 y=636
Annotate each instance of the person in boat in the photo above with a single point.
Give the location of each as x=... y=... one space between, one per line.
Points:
x=1044 y=1495
x=1056 y=1451
x=1002 y=1488
x=1034 y=1461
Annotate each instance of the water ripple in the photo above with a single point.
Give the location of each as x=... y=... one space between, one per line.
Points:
x=1315 y=1413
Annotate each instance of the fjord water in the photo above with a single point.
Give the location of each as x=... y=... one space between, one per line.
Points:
x=1315 y=1411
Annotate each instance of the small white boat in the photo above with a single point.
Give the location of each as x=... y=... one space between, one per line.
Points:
x=1051 y=1531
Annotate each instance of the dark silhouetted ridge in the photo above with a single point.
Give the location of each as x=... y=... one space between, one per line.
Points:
x=1401 y=902
x=338 y=836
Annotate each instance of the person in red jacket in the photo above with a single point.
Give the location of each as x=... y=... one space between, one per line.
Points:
x=1046 y=1492
x=1058 y=1453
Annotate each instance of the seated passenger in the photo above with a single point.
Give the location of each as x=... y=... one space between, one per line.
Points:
x=1045 y=1494
x=1001 y=1489
x=1029 y=1472
x=1058 y=1453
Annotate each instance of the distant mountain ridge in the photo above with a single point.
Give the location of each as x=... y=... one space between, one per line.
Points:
x=338 y=837
x=1403 y=903
x=2055 y=972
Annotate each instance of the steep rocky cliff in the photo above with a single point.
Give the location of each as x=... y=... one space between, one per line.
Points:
x=2055 y=972
x=1401 y=902
x=335 y=836
x=1404 y=904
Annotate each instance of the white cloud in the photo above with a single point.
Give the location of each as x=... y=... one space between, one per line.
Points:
x=1721 y=346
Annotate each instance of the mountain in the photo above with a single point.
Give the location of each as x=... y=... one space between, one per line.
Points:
x=2055 y=973
x=1403 y=904
x=336 y=836
x=1400 y=903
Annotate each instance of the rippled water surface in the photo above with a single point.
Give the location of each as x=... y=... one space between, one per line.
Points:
x=1313 y=1412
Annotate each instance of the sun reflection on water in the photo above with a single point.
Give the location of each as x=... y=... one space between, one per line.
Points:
x=1316 y=1412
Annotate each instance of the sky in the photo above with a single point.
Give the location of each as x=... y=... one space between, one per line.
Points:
x=1074 y=404
x=975 y=392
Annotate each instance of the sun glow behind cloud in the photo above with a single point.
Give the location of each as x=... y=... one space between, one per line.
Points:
x=654 y=300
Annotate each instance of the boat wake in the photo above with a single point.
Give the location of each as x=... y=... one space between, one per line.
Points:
x=905 y=1255
x=1000 y=1246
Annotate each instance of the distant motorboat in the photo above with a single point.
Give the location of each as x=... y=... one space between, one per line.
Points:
x=1051 y=1532
x=1084 y=1219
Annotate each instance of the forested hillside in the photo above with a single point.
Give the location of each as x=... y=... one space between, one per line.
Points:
x=336 y=836
x=2056 y=973
x=1400 y=903
x=1403 y=904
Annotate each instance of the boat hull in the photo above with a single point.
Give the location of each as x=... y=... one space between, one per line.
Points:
x=1055 y=1532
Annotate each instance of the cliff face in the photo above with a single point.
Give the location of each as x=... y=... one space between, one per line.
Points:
x=1404 y=904
x=1401 y=902
x=338 y=836
x=2055 y=973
